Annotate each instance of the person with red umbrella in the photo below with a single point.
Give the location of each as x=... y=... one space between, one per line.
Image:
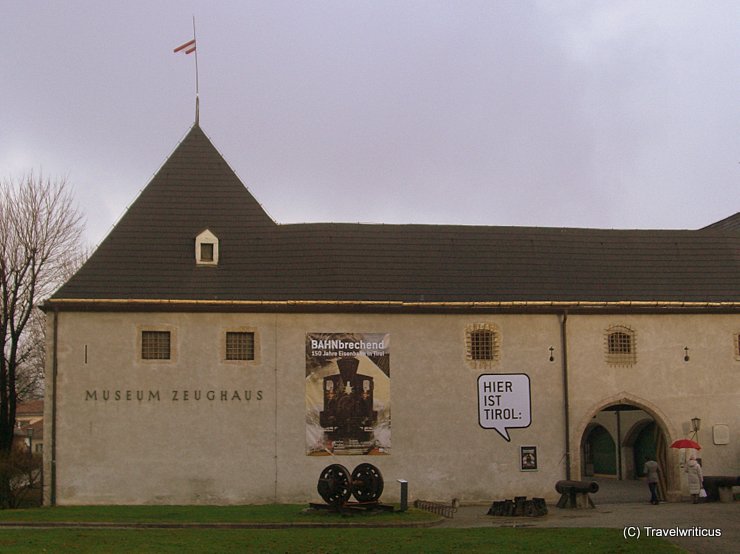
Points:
x=686 y=443
x=696 y=478
x=693 y=468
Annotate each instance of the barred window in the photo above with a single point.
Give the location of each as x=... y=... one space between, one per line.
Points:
x=155 y=345
x=482 y=345
x=239 y=345
x=620 y=343
x=620 y=346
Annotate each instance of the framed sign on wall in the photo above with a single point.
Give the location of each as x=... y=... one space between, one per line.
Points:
x=528 y=458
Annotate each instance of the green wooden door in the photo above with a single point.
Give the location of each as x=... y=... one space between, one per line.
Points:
x=603 y=451
x=644 y=447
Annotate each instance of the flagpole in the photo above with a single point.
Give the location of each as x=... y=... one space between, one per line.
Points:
x=197 y=97
x=188 y=48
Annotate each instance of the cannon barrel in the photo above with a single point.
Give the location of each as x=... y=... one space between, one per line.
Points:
x=564 y=487
x=713 y=484
x=723 y=481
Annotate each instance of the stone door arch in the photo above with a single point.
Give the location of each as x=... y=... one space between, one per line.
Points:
x=627 y=437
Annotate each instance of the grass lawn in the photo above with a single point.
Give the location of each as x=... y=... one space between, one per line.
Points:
x=268 y=513
x=379 y=540
x=386 y=540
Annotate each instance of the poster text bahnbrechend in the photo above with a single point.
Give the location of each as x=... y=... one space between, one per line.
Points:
x=348 y=392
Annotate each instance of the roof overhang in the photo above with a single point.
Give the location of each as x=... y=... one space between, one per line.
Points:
x=385 y=306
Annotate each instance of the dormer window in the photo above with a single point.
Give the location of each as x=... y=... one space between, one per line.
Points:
x=206 y=252
x=206 y=248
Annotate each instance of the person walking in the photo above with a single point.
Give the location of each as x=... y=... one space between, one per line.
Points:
x=696 y=478
x=651 y=471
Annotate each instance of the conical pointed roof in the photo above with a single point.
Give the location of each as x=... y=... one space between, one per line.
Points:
x=151 y=249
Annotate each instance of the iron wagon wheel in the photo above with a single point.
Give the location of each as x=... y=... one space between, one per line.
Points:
x=367 y=483
x=334 y=484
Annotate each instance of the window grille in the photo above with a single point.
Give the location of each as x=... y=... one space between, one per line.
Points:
x=620 y=346
x=482 y=345
x=620 y=343
x=155 y=345
x=239 y=345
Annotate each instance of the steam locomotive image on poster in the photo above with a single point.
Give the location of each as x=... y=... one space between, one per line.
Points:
x=348 y=413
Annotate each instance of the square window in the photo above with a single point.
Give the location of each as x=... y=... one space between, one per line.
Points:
x=155 y=345
x=239 y=345
x=482 y=345
x=206 y=252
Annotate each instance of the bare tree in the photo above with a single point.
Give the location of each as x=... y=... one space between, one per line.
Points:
x=29 y=371
x=29 y=384
x=40 y=228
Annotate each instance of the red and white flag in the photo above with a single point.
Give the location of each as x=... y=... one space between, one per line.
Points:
x=187 y=48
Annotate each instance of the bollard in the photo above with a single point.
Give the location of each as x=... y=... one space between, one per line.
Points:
x=404 y=495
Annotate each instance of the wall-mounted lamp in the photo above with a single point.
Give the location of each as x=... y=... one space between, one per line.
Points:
x=695 y=424
x=686 y=354
x=552 y=356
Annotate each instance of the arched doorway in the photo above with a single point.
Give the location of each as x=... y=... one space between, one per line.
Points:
x=616 y=440
x=636 y=434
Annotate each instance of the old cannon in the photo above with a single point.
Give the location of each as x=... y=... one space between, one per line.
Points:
x=720 y=487
x=575 y=494
x=337 y=484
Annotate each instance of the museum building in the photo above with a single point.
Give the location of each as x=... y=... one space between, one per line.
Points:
x=205 y=354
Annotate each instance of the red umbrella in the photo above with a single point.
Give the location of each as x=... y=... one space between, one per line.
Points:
x=686 y=443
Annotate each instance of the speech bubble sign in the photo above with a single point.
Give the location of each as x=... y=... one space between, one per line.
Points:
x=504 y=402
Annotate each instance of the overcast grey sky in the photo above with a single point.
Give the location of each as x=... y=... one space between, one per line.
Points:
x=613 y=114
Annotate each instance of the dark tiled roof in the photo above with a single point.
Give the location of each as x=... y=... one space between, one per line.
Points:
x=150 y=254
x=731 y=223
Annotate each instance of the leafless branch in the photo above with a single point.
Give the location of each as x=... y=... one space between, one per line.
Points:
x=40 y=233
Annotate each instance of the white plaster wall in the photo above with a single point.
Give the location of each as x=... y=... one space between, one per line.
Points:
x=661 y=382
x=238 y=451
x=437 y=443
x=166 y=450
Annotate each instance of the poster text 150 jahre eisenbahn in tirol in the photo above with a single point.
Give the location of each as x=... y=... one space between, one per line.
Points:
x=348 y=393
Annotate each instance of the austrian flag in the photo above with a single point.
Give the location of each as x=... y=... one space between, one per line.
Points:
x=187 y=48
